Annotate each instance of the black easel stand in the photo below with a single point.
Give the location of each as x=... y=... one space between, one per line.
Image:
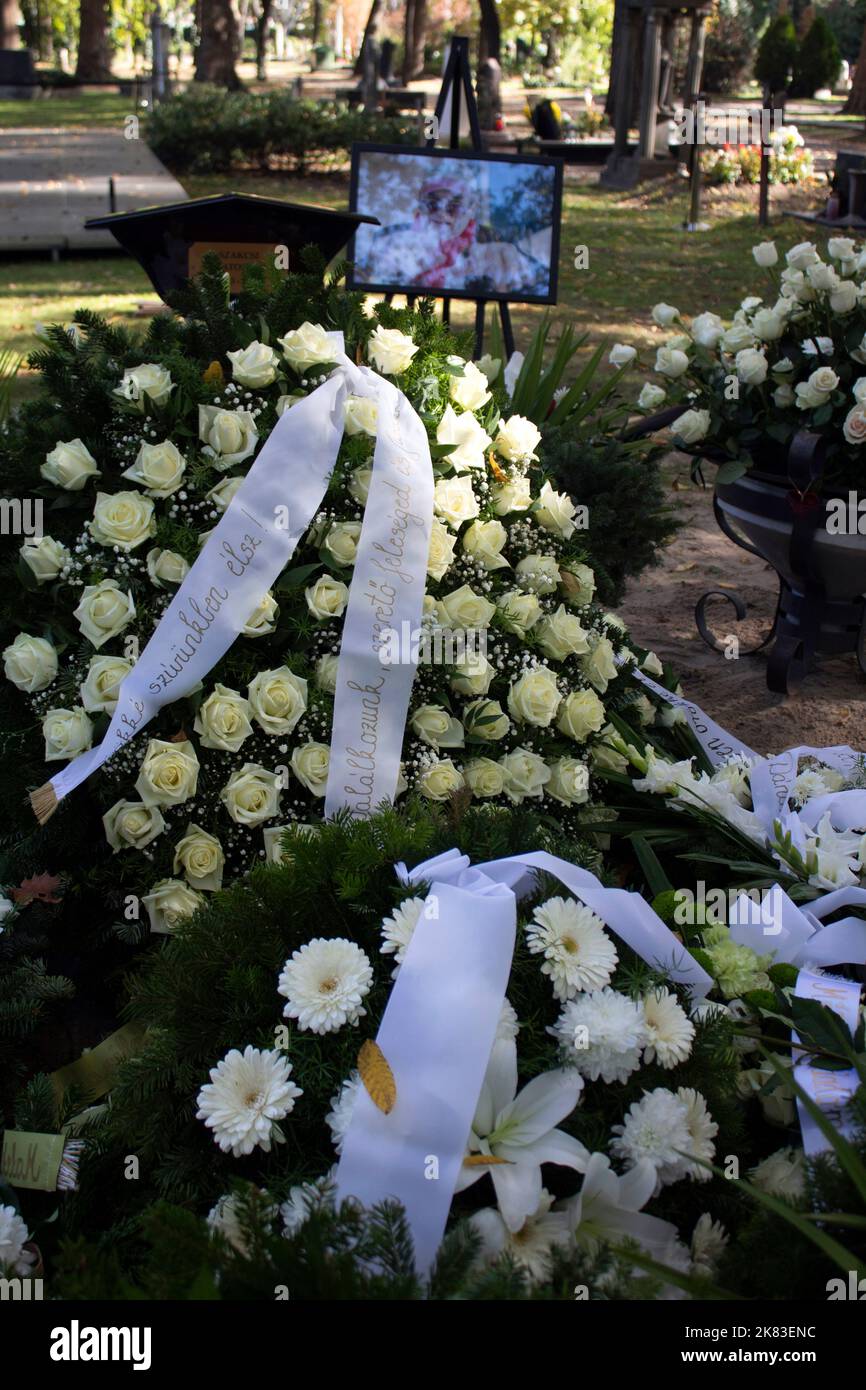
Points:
x=457 y=80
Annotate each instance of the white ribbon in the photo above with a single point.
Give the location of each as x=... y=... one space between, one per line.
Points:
x=439 y=1026
x=830 y=1090
x=716 y=742
x=250 y=547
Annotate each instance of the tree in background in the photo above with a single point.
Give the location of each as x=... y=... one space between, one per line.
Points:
x=414 y=33
x=219 y=44
x=856 y=103
x=94 y=47
x=818 y=61
x=777 y=53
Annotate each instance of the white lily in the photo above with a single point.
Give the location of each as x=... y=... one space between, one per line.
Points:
x=608 y=1207
x=521 y=1130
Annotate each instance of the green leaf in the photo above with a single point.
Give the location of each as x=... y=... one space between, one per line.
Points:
x=294 y=578
x=732 y=470
x=653 y=872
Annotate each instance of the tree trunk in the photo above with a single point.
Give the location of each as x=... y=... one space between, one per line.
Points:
x=856 y=103
x=489 y=34
x=262 y=39
x=414 y=33
x=622 y=18
x=218 y=47
x=317 y=21
x=9 y=24
x=94 y=54
x=371 y=31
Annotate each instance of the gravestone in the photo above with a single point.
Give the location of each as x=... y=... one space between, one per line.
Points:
x=488 y=94
x=18 y=78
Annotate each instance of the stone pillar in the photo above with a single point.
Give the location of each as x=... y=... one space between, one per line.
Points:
x=650 y=84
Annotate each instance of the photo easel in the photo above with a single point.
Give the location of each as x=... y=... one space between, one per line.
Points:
x=456 y=97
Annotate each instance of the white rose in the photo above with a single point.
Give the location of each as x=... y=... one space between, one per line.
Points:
x=440 y=780
x=168 y=774
x=199 y=855
x=148 y=380
x=841 y=248
x=44 y=557
x=229 y=436
x=159 y=468
x=569 y=781
x=223 y=494
x=486 y=719
x=361 y=415
x=854 y=426
x=132 y=825
x=578 y=584
x=390 y=351
x=286 y=402
x=526 y=774
x=751 y=366
x=341 y=542
x=581 y=714
x=484 y=777
x=104 y=611
x=101 y=687
x=859 y=352
x=278 y=699
x=483 y=541
x=67 y=732
x=520 y=611
x=223 y=720
x=621 y=354
x=707 y=330
x=554 y=511
x=327 y=598
x=463 y=608
x=166 y=567
x=765 y=254
x=307 y=346
x=822 y=277
x=599 y=665
x=472 y=675
x=434 y=725
x=823 y=380
x=454 y=501
x=326 y=673
x=664 y=314
x=783 y=396
x=561 y=635
x=534 y=697
x=468 y=439
x=807 y=397
x=254 y=366
x=738 y=337
x=538 y=574
x=122 y=519
x=252 y=795
x=517 y=439
x=514 y=495
x=470 y=390
x=441 y=553
x=692 y=426
x=69 y=465
x=671 y=362
x=170 y=902
x=768 y=324
x=651 y=396
x=858 y=390
x=310 y=765
x=802 y=255
x=844 y=297
x=358 y=484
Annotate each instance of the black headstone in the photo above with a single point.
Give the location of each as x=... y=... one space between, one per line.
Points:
x=170 y=241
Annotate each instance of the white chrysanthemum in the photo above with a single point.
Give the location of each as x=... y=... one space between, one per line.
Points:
x=339 y=1117
x=783 y=1174
x=604 y=1033
x=670 y=1031
x=531 y=1247
x=508 y=1026
x=398 y=928
x=709 y=1239
x=225 y=1218
x=702 y=1131
x=302 y=1200
x=324 y=983
x=578 y=953
x=656 y=1128
x=248 y=1092
x=14 y=1259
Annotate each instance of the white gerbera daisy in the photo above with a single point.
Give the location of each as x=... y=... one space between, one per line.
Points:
x=339 y=1117
x=14 y=1259
x=656 y=1128
x=531 y=1246
x=248 y=1092
x=603 y=1033
x=398 y=928
x=709 y=1239
x=783 y=1174
x=670 y=1031
x=578 y=953
x=702 y=1131
x=324 y=983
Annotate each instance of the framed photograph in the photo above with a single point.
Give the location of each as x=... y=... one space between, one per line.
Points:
x=456 y=224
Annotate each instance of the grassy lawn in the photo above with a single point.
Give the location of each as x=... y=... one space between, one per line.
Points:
x=92 y=109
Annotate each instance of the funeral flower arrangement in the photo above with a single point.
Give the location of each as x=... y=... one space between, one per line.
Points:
x=792 y=357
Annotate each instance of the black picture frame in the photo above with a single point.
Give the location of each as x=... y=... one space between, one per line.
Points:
x=363 y=148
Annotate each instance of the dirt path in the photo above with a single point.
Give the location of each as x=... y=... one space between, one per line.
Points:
x=828 y=707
